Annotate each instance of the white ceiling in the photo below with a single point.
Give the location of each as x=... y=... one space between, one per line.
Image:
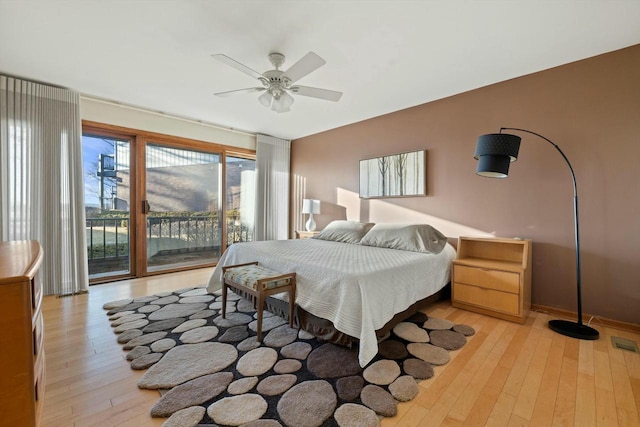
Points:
x=384 y=55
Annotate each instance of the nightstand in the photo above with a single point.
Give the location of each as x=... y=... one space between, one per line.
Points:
x=303 y=234
x=493 y=277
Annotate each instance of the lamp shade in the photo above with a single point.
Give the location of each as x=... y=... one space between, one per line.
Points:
x=310 y=206
x=494 y=152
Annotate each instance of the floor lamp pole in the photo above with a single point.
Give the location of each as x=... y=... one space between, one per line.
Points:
x=565 y=327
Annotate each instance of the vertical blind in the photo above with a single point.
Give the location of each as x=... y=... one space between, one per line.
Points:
x=272 y=188
x=41 y=181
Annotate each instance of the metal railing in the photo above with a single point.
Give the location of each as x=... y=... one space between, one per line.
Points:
x=109 y=237
x=196 y=233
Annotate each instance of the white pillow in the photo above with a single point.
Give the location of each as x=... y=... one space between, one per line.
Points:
x=344 y=231
x=406 y=237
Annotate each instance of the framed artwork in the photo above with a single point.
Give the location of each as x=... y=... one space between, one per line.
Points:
x=396 y=175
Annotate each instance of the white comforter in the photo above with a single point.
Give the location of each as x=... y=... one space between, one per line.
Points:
x=358 y=288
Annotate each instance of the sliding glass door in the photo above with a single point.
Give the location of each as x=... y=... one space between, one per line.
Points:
x=182 y=207
x=156 y=203
x=107 y=198
x=240 y=183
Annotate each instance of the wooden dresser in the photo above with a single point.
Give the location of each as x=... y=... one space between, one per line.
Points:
x=22 y=354
x=493 y=277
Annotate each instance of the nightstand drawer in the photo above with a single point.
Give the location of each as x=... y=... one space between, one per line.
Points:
x=504 y=302
x=306 y=234
x=491 y=279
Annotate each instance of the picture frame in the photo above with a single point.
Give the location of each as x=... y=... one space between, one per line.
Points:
x=395 y=175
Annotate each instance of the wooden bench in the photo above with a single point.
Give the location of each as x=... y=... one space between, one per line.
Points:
x=259 y=282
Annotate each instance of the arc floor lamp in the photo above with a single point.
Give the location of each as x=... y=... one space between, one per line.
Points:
x=494 y=153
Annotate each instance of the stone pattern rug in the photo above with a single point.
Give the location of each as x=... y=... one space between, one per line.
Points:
x=212 y=371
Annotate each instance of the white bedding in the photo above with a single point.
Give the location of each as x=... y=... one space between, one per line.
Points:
x=358 y=288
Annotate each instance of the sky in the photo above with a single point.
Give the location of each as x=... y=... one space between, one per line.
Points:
x=92 y=147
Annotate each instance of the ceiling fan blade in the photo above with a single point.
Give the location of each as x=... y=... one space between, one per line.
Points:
x=304 y=66
x=238 y=66
x=239 y=91
x=314 y=92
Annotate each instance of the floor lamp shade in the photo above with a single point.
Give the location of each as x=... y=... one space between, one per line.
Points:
x=494 y=153
x=310 y=206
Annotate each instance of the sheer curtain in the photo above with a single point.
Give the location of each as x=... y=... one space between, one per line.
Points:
x=41 y=181
x=272 y=188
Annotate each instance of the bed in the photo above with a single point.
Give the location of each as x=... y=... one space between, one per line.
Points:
x=359 y=287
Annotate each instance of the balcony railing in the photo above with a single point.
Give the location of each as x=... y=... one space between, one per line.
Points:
x=108 y=238
x=197 y=233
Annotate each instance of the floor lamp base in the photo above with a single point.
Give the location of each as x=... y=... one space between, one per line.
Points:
x=574 y=329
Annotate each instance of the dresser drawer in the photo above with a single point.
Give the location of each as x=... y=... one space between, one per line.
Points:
x=490 y=299
x=38 y=387
x=491 y=279
x=38 y=335
x=38 y=372
x=36 y=291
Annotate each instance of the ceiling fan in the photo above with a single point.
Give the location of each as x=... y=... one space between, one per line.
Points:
x=276 y=84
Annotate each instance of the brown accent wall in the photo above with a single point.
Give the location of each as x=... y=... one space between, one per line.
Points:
x=590 y=108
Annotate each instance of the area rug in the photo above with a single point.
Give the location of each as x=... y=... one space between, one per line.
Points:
x=212 y=371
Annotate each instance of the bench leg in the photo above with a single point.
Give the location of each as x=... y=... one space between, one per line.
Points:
x=292 y=298
x=224 y=300
x=260 y=313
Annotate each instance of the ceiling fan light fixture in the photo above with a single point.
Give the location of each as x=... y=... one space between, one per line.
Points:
x=286 y=99
x=282 y=103
x=266 y=98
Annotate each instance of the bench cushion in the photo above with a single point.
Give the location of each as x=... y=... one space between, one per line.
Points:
x=248 y=276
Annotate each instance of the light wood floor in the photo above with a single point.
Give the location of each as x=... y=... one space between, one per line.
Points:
x=506 y=375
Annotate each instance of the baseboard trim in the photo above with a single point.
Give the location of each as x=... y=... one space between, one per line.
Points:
x=617 y=324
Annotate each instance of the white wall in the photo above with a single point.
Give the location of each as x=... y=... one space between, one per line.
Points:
x=101 y=111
